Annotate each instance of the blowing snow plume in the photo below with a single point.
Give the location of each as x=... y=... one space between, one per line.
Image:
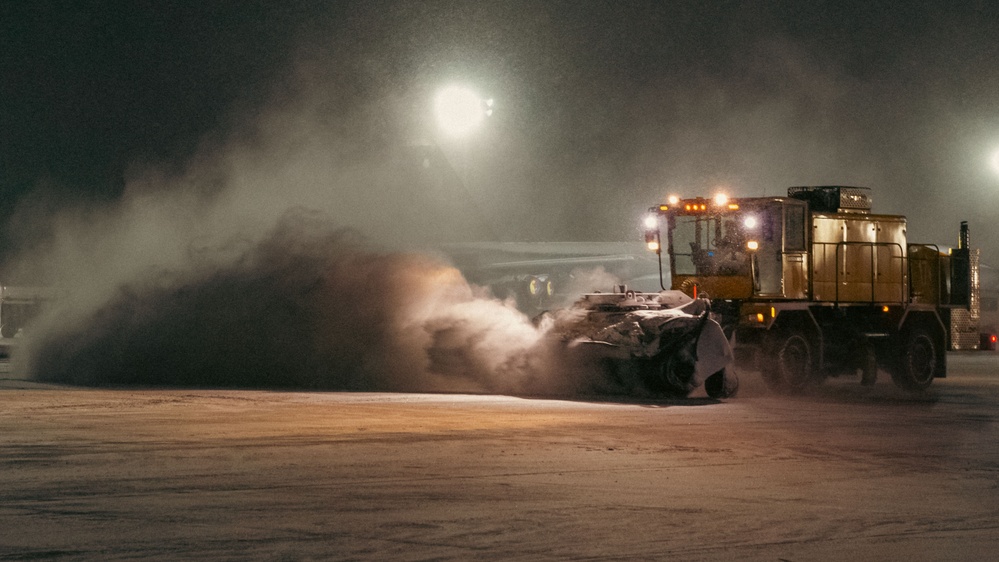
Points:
x=272 y=258
x=309 y=306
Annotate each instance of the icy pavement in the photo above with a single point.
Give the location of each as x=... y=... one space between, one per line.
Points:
x=848 y=473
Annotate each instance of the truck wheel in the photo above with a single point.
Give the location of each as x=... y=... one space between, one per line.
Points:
x=789 y=366
x=916 y=362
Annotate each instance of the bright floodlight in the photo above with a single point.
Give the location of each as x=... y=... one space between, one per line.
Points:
x=721 y=199
x=673 y=199
x=459 y=110
x=995 y=160
x=651 y=221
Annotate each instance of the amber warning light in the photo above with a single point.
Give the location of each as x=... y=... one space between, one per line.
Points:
x=699 y=204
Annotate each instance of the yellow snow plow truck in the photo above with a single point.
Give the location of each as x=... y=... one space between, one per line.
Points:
x=815 y=285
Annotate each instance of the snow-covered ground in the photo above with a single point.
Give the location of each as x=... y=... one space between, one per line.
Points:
x=848 y=473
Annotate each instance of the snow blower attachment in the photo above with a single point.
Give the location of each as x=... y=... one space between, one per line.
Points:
x=666 y=339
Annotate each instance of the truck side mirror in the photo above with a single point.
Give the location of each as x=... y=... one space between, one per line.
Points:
x=652 y=241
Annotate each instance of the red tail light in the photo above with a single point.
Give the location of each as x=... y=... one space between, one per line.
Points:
x=987 y=342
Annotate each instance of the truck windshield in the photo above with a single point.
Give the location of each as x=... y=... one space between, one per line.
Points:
x=708 y=245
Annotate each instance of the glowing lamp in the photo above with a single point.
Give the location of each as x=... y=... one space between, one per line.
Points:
x=459 y=110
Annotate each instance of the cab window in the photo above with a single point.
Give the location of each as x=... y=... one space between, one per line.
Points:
x=794 y=228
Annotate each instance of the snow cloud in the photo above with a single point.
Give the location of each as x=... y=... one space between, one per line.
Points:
x=309 y=305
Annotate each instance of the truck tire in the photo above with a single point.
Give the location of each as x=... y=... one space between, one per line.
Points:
x=790 y=365
x=916 y=362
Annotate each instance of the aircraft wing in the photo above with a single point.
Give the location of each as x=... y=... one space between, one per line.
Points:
x=542 y=275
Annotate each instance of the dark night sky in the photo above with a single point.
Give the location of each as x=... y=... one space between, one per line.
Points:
x=602 y=107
